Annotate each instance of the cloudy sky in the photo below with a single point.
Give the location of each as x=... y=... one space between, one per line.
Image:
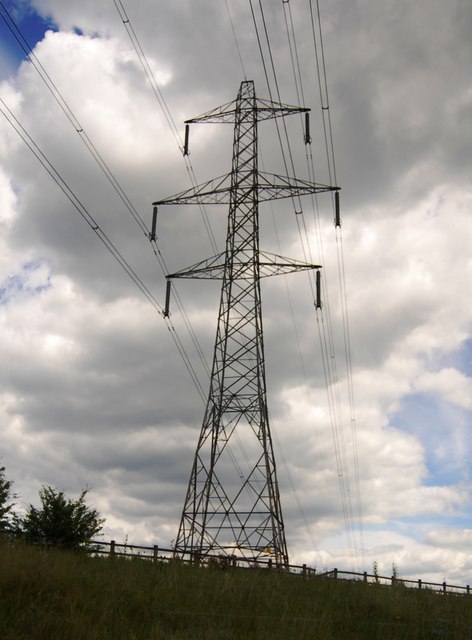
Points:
x=94 y=392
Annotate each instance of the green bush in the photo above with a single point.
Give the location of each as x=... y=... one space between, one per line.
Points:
x=60 y=521
x=6 y=502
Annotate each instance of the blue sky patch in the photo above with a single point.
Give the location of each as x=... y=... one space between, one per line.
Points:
x=19 y=23
x=33 y=279
x=461 y=359
x=445 y=432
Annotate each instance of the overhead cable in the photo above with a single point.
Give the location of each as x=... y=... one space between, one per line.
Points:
x=170 y=121
x=236 y=40
x=326 y=329
x=77 y=203
x=52 y=87
x=103 y=237
x=64 y=106
x=164 y=107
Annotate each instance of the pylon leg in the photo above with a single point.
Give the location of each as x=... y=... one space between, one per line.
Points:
x=232 y=503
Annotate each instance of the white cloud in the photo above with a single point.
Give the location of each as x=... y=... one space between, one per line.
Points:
x=452 y=385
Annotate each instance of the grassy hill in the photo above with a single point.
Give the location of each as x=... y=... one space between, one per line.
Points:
x=53 y=595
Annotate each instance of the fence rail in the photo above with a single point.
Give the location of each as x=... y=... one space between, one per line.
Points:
x=158 y=554
x=395 y=581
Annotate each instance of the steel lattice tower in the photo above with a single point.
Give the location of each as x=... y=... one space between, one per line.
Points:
x=232 y=503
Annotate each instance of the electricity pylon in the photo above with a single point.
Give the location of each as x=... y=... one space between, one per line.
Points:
x=232 y=505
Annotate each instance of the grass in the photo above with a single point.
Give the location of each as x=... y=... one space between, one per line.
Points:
x=53 y=595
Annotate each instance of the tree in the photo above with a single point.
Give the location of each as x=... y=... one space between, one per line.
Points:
x=6 y=504
x=61 y=522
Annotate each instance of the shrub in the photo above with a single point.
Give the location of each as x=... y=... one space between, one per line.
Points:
x=6 y=504
x=60 y=521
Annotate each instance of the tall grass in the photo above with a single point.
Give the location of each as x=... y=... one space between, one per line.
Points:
x=53 y=595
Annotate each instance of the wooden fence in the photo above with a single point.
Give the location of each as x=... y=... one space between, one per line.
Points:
x=158 y=554
x=395 y=581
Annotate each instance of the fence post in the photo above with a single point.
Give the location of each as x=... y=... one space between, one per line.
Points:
x=419 y=583
x=155 y=553
x=468 y=590
x=112 y=548
x=444 y=587
x=393 y=581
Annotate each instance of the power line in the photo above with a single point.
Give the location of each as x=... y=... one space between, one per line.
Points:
x=329 y=363
x=318 y=45
x=164 y=107
x=162 y=103
x=103 y=237
x=152 y=80
x=323 y=89
x=307 y=251
x=78 y=205
x=236 y=40
x=296 y=202
x=66 y=109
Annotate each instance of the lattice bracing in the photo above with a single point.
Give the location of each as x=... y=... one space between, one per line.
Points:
x=232 y=504
x=269 y=187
